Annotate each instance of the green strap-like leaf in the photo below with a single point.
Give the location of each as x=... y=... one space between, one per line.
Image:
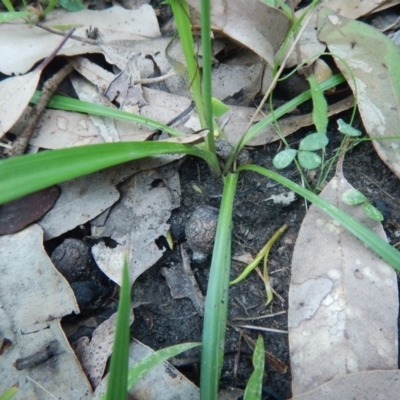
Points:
x=366 y=235
x=26 y=174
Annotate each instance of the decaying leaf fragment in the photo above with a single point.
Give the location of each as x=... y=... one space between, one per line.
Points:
x=137 y=221
x=33 y=297
x=251 y=23
x=374 y=61
x=94 y=353
x=353 y=9
x=162 y=382
x=15 y=94
x=343 y=299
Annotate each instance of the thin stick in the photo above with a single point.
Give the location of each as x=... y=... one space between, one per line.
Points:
x=60 y=33
x=49 y=88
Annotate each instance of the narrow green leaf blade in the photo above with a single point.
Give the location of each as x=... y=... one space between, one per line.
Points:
x=366 y=235
x=144 y=366
x=72 y=5
x=254 y=384
x=320 y=107
x=9 y=393
x=26 y=174
x=9 y=16
x=216 y=308
x=119 y=359
x=219 y=108
x=65 y=103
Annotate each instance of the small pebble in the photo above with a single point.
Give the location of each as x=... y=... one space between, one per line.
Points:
x=200 y=231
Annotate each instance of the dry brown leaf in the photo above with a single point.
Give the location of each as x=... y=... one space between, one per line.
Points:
x=21 y=45
x=309 y=46
x=99 y=76
x=374 y=61
x=352 y=9
x=360 y=385
x=251 y=23
x=343 y=299
x=387 y=4
x=89 y=93
x=137 y=221
x=82 y=199
x=93 y=353
x=162 y=382
x=15 y=95
x=235 y=121
x=33 y=297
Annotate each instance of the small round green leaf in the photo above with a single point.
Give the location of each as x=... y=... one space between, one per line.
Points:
x=347 y=129
x=219 y=108
x=284 y=158
x=372 y=212
x=308 y=159
x=315 y=141
x=353 y=197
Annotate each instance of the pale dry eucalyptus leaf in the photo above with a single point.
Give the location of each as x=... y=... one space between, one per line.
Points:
x=162 y=382
x=252 y=23
x=235 y=121
x=137 y=221
x=309 y=46
x=94 y=353
x=15 y=95
x=33 y=297
x=374 y=61
x=22 y=45
x=99 y=76
x=353 y=9
x=343 y=299
x=86 y=91
x=360 y=385
x=82 y=199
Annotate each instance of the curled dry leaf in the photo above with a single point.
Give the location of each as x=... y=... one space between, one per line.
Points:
x=343 y=299
x=251 y=23
x=374 y=62
x=137 y=221
x=94 y=353
x=352 y=9
x=15 y=94
x=162 y=382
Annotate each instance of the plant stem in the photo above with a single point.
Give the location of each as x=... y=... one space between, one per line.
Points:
x=216 y=308
x=207 y=71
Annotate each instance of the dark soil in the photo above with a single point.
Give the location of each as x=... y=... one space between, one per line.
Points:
x=166 y=321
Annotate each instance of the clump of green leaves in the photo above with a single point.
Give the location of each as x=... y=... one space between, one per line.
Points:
x=354 y=197
x=306 y=155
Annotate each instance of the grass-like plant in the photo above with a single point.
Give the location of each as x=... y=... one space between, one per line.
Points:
x=29 y=173
x=123 y=378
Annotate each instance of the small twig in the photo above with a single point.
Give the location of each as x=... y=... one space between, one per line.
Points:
x=47 y=60
x=148 y=81
x=49 y=88
x=78 y=38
